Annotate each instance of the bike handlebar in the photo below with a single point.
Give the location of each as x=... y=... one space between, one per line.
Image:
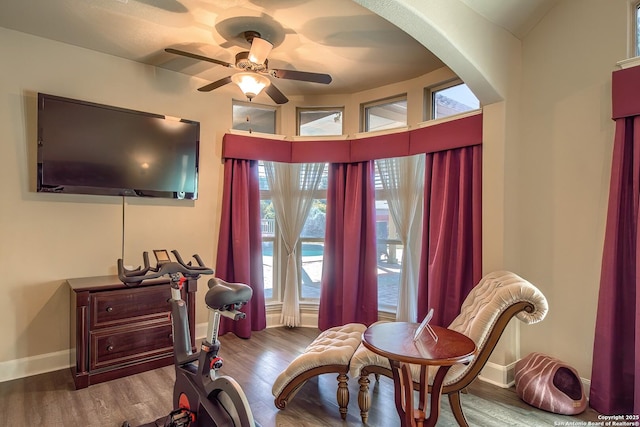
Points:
x=169 y=268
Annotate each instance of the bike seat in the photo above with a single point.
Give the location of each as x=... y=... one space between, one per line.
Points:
x=226 y=296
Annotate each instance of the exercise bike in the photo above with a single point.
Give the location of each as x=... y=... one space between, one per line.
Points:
x=201 y=398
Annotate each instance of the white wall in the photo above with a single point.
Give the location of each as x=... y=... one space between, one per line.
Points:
x=565 y=146
x=47 y=238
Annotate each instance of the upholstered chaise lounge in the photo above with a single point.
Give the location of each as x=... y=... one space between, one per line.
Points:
x=484 y=315
x=330 y=352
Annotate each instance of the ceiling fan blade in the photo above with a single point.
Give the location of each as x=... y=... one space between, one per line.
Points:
x=215 y=85
x=275 y=94
x=302 y=76
x=198 y=57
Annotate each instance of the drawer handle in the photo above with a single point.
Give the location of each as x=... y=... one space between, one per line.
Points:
x=110 y=348
x=109 y=309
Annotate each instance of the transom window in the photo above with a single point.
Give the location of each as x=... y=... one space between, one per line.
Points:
x=320 y=121
x=451 y=99
x=384 y=114
x=636 y=38
x=254 y=117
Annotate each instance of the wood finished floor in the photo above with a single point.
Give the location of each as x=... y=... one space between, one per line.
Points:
x=50 y=399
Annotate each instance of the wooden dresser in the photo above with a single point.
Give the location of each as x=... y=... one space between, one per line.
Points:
x=117 y=330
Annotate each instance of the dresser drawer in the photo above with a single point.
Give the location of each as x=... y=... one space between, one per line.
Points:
x=121 y=345
x=135 y=304
x=119 y=330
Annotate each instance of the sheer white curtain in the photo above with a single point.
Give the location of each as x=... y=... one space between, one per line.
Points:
x=292 y=189
x=403 y=181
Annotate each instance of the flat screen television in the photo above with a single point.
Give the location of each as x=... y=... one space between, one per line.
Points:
x=88 y=148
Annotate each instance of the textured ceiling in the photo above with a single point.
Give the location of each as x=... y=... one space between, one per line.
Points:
x=359 y=49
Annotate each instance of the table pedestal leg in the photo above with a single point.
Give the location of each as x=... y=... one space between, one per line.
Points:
x=436 y=393
x=403 y=384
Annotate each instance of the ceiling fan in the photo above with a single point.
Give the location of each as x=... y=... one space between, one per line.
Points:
x=253 y=67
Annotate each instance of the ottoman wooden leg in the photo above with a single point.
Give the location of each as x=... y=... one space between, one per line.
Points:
x=343 y=394
x=364 y=400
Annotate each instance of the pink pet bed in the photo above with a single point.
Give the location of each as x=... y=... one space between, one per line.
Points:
x=547 y=383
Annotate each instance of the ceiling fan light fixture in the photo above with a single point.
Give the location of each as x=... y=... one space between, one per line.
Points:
x=260 y=49
x=251 y=84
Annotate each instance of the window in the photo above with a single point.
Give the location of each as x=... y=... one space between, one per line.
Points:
x=261 y=118
x=382 y=115
x=320 y=121
x=310 y=249
x=636 y=22
x=268 y=227
x=316 y=122
x=399 y=184
x=385 y=114
x=389 y=251
x=254 y=117
x=449 y=100
x=311 y=243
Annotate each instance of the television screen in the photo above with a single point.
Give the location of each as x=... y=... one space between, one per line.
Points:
x=88 y=148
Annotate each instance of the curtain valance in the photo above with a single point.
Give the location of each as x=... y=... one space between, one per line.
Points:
x=625 y=87
x=463 y=132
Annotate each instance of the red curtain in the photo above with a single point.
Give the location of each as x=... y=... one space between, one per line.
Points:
x=615 y=376
x=240 y=242
x=349 y=289
x=451 y=258
x=349 y=281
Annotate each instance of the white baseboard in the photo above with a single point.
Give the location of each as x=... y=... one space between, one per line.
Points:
x=201 y=330
x=586 y=384
x=502 y=376
x=49 y=362
x=493 y=373
x=34 y=365
x=308 y=320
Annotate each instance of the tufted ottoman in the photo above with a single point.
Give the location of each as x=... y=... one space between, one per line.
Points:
x=330 y=352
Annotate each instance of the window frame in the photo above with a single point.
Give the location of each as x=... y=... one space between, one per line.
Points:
x=429 y=98
x=276 y=273
x=331 y=110
x=634 y=50
x=276 y=289
x=381 y=194
x=364 y=107
x=256 y=106
x=319 y=194
x=278 y=253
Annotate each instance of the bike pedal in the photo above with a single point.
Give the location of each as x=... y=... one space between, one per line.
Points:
x=216 y=363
